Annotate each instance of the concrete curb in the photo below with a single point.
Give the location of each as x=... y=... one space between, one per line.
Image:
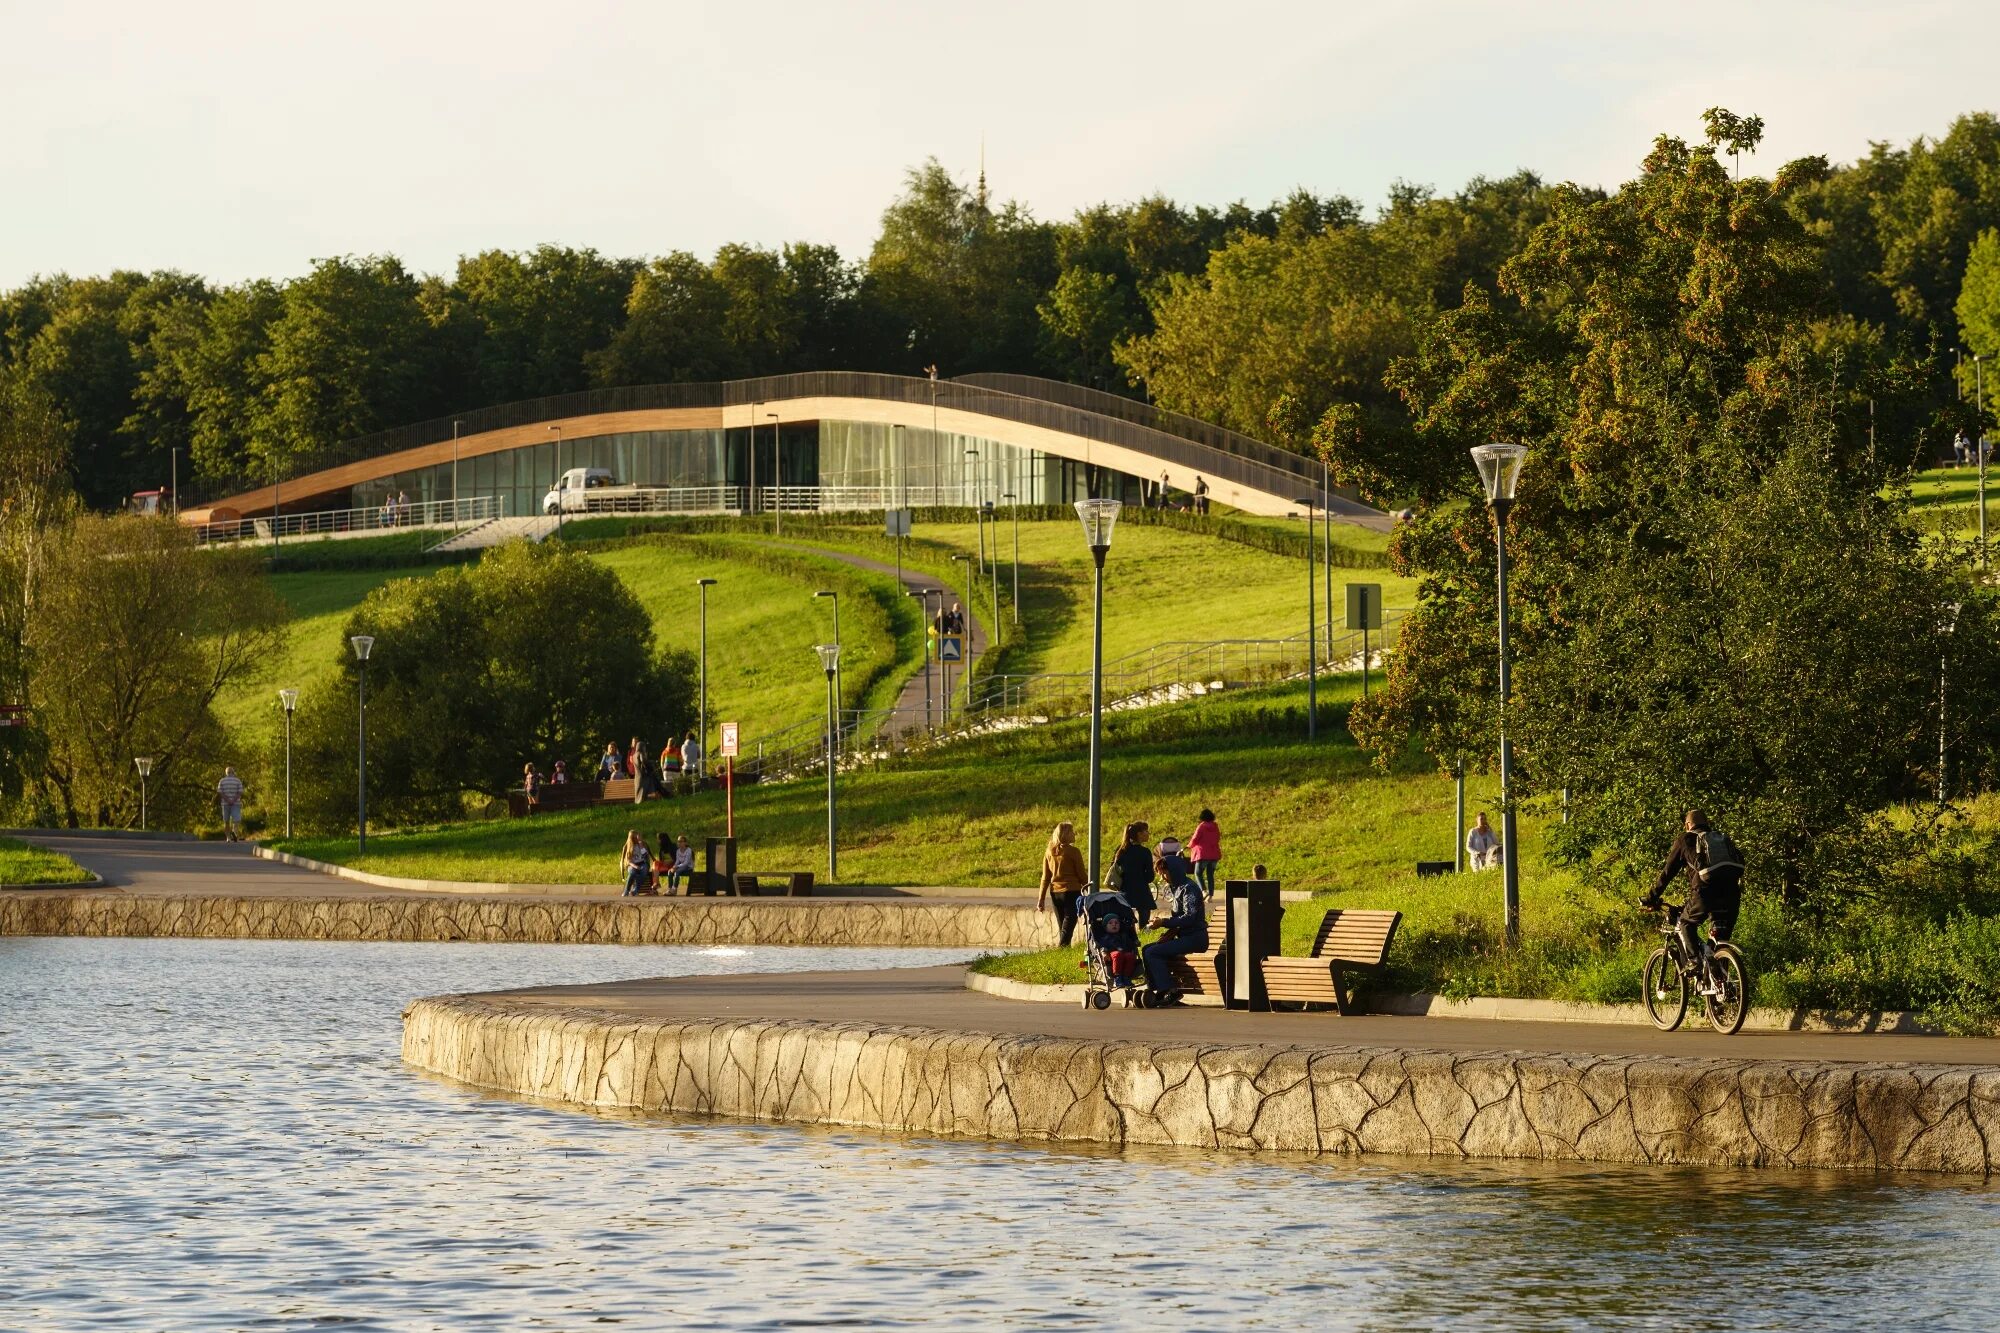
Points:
x=433 y=885
x=1523 y=1011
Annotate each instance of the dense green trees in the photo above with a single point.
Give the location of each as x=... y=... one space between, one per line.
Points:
x=535 y=653
x=1720 y=600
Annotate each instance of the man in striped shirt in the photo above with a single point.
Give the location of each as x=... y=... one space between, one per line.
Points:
x=230 y=791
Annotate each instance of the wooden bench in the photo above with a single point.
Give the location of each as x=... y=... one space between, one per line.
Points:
x=798 y=884
x=1203 y=973
x=1350 y=940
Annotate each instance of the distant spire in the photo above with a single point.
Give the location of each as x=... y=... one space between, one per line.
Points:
x=982 y=171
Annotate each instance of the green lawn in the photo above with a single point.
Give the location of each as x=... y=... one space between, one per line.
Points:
x=320 y=603
x=23 y=864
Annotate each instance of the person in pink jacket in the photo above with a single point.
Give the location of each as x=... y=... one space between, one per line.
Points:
x=1204 y=847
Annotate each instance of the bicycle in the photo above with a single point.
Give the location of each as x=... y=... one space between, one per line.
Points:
x=1670 y=975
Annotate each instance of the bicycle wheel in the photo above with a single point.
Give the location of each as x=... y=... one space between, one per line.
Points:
x=1727 y=1010
x=1666 y=991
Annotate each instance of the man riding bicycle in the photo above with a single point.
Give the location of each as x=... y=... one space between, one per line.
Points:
x=1715 y=887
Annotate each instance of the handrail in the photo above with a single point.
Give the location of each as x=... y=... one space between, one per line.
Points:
x=369 y=518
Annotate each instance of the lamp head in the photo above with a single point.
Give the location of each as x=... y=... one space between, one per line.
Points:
x=144 y=763
x=1098 y=517
x=829 y=656
x=1305 y=502
x=704 y=583
x=364 y=644
x=288 y=699
x=825 y=593
x=1499 y=469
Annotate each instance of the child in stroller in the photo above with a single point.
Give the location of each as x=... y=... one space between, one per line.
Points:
x=1110 y=946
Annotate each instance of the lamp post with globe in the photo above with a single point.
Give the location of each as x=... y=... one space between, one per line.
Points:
x=1499 y=472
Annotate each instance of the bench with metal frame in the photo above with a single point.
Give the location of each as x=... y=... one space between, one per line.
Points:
x=1351 y=941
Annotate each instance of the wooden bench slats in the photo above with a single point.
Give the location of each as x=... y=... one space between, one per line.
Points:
x=1201 y=973
x=1349 y=940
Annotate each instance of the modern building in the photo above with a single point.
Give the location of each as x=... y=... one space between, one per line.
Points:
x=823 y=441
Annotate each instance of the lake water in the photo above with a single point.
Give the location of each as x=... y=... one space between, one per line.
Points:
x=220 y=1135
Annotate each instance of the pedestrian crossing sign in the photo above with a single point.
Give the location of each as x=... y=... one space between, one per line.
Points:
x=951 y=648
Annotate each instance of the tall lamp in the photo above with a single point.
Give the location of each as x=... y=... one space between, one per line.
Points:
x=829 y=662
x=1312 y=626
x=1499 y=472
x=1099 y=517
x=836 y=670
x=289 y=701
x=144 y=763
x=701 y=687
x=364 y=644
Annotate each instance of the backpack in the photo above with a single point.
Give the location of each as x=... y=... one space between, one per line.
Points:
x=1716 y=851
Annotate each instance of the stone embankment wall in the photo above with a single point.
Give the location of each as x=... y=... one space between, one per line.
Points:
x=528 y=920
x=1342 y=1100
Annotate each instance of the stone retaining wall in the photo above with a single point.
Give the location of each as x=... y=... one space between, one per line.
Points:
x=874 y=922
x=1260 y=1098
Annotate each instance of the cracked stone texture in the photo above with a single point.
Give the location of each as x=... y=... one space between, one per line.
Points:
x=1642 y=1109
x=527 y=920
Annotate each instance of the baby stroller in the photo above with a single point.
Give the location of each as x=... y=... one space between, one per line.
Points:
x=1111 y=948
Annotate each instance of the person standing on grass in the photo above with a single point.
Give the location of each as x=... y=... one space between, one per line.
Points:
x=1132 y=871
x=1481 y=845
x=1200 y=494
x=636 y=861
x=229 y=792
x=1205 y=849
x=691 y=757
x=531 y=788
x=1064 y=877
x=670 y=766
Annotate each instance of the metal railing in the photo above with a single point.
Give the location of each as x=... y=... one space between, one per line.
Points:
x=344 y=522
x=661 y=500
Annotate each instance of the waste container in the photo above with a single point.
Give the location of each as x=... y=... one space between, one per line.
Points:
x=1254 y=916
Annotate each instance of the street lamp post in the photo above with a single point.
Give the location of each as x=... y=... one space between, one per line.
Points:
x=288 y=700
x=454 y=499
x=1099 y=517
x=562 y=492
x=838 y=691
x=777 y=477
x=1014 y=510
x=923 y=596
x=701 y=686
x=993 y=570
x=1312 y=626
x=363 y=645
x=829 y=661
x=1326 y=550
x=1950 y=628
x=970 y=586
x=750 y=504
x=144 y=763
x=1979 y=443
x=1499 y=472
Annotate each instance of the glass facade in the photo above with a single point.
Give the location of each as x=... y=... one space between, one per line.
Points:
x=859 y=464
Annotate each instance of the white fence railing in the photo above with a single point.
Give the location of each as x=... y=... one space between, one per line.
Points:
x=656 y=500
x=342 y=522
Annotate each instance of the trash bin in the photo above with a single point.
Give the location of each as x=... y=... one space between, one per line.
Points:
x=720 y=859
x=1253 y=927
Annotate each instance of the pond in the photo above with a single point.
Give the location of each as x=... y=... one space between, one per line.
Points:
x=220 y=1135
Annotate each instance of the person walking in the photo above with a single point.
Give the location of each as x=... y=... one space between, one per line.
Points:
x=1064 y=877
x=229 y=792
x=636 y=861
x=1132 y=871
x=531 y=788
x=1204 y=848
x=1481 y=845
x=1200 y=494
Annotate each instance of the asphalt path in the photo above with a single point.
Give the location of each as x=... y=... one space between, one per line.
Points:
x=936 y=997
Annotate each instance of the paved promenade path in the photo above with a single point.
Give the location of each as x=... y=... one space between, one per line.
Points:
x=935 y=997
x=192 y=869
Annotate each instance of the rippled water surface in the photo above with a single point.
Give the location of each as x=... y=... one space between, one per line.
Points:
x=219 y=1134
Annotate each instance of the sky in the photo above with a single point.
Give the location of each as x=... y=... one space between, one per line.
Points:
x=240 y=140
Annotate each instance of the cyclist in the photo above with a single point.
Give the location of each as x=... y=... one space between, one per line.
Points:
x=1715 y=888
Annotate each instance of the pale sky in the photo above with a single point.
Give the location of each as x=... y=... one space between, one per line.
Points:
x=238 y=139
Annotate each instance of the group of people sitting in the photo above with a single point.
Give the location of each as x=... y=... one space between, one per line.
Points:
x=641 y=869
x=677 y=769
x=1188 y=877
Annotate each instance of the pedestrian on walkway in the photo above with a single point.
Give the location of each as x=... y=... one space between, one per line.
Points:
x=1133 y=872
x=1064 y=877
x=1205 y=848
x=531 y=788
x=1200 y=494
x=229 y=792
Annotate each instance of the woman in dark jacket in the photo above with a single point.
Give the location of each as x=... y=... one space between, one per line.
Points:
x=1132 y=871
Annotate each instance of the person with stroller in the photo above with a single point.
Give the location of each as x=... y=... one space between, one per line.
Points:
x=1184 y=931
x=637 y=863
x=1132 y=872
x=1110 y=944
